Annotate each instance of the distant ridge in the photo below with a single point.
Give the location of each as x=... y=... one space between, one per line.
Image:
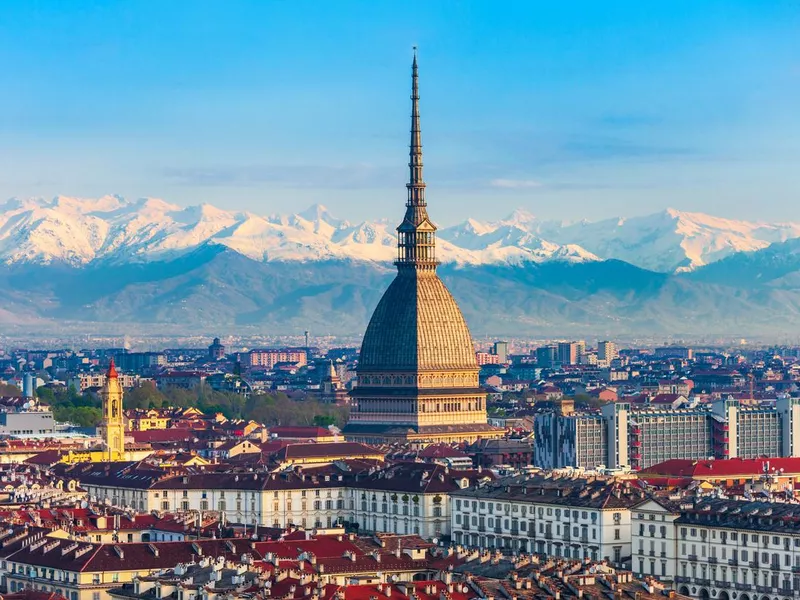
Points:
x=146 y=263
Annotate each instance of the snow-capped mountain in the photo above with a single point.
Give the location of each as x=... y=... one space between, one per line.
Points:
x=80 y=231
x=670 y=240
x=112 y=229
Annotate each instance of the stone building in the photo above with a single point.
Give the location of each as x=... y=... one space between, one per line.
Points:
x=417 y=371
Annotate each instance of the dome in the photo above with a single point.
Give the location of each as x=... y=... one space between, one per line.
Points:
x=417 y=325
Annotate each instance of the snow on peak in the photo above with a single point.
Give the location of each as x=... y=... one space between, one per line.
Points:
x=520 y=218
x=78 y=231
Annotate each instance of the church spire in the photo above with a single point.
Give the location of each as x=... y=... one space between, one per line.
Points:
x=416 y=235
x=416 y=186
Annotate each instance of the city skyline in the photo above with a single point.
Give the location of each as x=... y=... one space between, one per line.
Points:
x=610 y=111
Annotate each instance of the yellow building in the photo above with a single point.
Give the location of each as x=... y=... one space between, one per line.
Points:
x=145 y=420
x=113 y=426
x=111 y=430
x=86 y=571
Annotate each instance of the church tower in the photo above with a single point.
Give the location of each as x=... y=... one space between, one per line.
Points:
x=417 y=371
x=113 y=426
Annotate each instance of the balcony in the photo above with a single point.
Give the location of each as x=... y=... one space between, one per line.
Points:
x=764 y=589
x=753 y=564
x=701 y=581
x=712 y=559
x=775 y=566
x=733 y=561
x=498 y=530
x=481 y=528
x=743 y=587
x=721 y=584
x=682 y=579
x=692 y=557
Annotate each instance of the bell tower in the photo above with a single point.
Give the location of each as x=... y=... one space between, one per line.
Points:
x=113 y=426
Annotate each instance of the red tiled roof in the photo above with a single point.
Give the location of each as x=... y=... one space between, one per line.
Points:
x=440 y=451
x=299 y=432
x=324 y=450
x=161 y=435
x=666 y=398
x=731 y=467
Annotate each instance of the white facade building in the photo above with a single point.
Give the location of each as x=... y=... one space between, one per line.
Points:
x=558 y=516
x=721 y=549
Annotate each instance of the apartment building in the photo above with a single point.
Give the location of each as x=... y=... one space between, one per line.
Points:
x=409 y=498
x=405 y=498
x=564 y=517
x=641 y=437
x=719 y=548
x=85 y=571
x=269 y=357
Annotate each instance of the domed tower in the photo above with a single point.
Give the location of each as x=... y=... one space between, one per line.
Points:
x=417 y=372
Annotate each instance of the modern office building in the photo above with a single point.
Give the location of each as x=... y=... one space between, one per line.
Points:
x=641 y=437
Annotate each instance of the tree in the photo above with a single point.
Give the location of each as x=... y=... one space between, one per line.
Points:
x=144 y=396
x=324 y=420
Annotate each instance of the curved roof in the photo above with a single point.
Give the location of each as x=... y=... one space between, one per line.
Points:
x=417 y=325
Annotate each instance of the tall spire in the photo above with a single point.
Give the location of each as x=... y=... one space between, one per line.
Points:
x=416 y=186
x=416 y=235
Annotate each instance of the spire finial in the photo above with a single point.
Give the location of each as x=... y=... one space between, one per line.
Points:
x=416 y=186
x=112 y=370
x=416 y=235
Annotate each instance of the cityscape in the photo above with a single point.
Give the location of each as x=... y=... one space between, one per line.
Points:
x=508 y=409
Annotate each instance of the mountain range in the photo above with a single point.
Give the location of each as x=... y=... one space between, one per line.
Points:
x=148 y=262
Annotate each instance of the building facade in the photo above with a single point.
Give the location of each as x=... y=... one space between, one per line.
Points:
x=269 y=357
x=561 y=517
x=721 y=549
x=641 y=437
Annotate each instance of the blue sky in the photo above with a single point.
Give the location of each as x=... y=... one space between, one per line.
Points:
x=568 y=109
